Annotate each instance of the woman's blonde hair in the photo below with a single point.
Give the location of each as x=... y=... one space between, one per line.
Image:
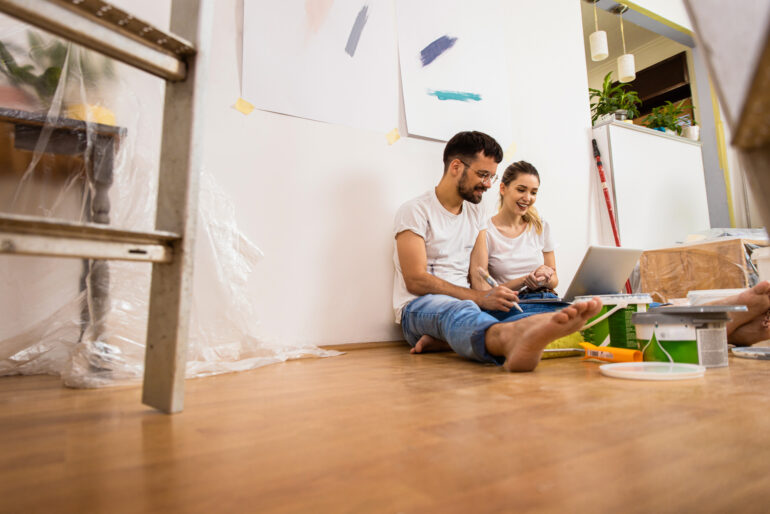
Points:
x=531 y=218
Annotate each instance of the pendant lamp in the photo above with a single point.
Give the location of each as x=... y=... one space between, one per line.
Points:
x=626 y=66
x=598 y=41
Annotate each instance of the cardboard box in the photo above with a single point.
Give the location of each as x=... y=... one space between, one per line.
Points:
x=671 y=272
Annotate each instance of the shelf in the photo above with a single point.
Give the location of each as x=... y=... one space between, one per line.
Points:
x=645 y=130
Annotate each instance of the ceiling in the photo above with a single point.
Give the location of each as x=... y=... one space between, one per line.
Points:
x=636 y=36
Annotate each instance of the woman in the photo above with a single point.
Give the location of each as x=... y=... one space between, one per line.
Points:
x=519 y=246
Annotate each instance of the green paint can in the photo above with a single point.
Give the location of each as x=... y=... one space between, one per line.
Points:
x=694 y=335
x=613 y=326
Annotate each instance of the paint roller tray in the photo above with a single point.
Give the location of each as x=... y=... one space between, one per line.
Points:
x=652 y=370
x=700 y=309
x=687 y=314
x=760 y=353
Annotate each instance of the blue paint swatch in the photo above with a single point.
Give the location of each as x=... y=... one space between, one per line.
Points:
x=460 y=96
x=438 y=47
x=355 y=32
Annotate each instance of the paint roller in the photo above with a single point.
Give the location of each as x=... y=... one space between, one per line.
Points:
x=603 y=353
x=603 y=178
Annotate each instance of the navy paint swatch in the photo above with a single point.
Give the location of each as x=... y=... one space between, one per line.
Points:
x=355 y=32
x=438 y=47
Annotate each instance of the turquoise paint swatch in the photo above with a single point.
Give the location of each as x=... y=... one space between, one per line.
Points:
x=460 y=96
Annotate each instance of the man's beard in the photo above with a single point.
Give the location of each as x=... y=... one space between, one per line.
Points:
x=467 y=192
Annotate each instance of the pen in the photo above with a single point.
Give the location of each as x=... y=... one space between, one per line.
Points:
x=491 y=281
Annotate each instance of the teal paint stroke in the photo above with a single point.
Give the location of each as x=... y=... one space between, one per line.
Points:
x=460 y=96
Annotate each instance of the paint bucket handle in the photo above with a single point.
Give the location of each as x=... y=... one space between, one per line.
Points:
x=670 y=359
x=606 y=315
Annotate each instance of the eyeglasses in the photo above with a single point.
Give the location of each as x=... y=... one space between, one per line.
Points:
x=485 y=176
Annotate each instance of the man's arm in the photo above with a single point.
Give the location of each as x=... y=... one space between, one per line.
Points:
x=479 y=259
x=414 y=264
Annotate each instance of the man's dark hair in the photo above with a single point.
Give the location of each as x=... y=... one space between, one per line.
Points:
x=465 y=146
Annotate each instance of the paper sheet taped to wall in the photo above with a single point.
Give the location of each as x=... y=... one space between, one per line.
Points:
x=328 y=61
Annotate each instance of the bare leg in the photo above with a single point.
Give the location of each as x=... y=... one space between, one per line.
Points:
x=752 y=332
x=522 y=342
x=427 y=344
x=757 y=299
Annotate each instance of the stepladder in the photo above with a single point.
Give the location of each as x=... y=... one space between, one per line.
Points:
x=180 y=57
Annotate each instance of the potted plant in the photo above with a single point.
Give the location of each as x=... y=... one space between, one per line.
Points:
x=665 y=118
x=26 y=78
x=617 y=100
x=41 y=74
x=692 y=131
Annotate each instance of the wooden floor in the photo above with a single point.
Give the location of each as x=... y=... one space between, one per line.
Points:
x=379 y=430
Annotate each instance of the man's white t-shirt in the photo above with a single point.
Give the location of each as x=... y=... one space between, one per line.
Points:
x=510 y=258
x=449 y=239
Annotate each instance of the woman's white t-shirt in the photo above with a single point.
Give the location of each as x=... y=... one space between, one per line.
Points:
x=511 y=258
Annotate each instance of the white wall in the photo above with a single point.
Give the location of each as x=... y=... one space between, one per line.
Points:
x=319 y=199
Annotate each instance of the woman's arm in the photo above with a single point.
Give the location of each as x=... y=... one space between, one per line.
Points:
x=516 y=283
x=552 y=279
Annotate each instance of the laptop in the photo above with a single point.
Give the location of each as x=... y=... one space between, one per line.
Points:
x=604 y=270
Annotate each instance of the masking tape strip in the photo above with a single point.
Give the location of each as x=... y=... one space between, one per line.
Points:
x=393 y=136
x=243 y=106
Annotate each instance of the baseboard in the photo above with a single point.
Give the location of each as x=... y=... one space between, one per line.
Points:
x=364 y=346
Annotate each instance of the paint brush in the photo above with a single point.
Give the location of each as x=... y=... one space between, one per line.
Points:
x=491 y=281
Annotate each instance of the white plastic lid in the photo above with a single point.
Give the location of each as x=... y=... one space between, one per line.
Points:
x=652 y=370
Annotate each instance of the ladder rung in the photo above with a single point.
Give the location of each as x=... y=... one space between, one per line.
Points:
x=61 y=246
x=107 y=29
x=27 y=235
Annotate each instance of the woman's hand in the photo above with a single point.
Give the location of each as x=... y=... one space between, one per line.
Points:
x=532 y=281
x=541 y=277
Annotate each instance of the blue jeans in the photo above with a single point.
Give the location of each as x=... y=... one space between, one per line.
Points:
x=462 y=323
x=530 y=308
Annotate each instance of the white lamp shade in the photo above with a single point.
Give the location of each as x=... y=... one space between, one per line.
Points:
x=598 y=43
x=626 y=68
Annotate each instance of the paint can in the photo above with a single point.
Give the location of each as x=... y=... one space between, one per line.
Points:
x=692 y=335
x=612 y=326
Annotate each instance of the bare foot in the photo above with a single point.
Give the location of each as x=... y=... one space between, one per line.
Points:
x=752 y=332
x=757 y=299
x=522 y=341
x=428 y=344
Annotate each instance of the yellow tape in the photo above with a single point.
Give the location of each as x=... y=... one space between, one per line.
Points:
x=243 y=106
x=722 y=150
x=393 y=136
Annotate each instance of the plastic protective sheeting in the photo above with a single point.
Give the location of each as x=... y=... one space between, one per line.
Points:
x=86 y=320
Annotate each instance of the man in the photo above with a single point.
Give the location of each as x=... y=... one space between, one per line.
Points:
x=436 y=234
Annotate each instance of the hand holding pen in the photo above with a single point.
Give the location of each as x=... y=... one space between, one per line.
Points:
x=491 y=281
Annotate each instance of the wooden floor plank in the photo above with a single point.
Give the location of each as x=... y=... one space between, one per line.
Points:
x=380 y=430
